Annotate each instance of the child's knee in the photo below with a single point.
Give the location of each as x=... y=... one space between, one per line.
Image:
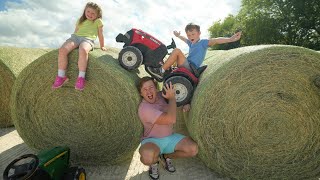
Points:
x=63 y=50
x=177 y=51
x=194 y=149
x=84 y=51
x=147 y=157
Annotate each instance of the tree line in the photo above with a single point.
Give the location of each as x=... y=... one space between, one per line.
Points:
x=291 y=22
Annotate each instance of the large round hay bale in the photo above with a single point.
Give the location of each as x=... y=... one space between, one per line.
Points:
x=256 y=113
x=12 y=61
x=180 y=125
x=99 y=124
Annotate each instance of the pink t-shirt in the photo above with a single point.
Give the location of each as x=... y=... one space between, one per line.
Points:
x=149 y=113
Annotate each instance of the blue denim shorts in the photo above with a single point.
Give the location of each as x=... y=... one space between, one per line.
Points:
x=78 y=40
x=166 y=144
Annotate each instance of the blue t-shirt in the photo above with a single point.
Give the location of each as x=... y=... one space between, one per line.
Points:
x=197 y=51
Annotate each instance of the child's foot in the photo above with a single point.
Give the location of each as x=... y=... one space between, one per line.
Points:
x=80 y=83
x=59 y=82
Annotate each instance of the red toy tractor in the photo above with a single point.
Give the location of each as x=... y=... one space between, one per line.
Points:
x=142 y=48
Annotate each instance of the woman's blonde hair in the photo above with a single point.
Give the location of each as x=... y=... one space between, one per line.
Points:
x=93 y=6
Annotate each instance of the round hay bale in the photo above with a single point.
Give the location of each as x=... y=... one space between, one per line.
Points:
x=12 y=61
x=180 y=125
x=100 y=124
x=256 y=113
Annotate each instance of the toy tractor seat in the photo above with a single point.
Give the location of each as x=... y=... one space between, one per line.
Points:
x=197 y=71
x=122 y=38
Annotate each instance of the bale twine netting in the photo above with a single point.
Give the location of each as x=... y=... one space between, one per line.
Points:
x=99 y=124
x=12 y=61
x=256 y=113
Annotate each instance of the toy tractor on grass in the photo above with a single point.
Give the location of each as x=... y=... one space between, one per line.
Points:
x=142 y=48
x=52 y=164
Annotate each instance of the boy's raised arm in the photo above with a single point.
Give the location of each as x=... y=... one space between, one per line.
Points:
x=177 y=34
x=223 y=40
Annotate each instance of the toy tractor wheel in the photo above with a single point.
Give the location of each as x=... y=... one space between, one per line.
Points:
x=75 y=173
x=130 y=58
x=183 y=87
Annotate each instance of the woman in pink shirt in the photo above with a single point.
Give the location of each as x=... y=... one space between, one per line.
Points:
x=159 y=138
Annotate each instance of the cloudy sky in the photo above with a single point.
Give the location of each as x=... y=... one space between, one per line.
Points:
x=48 y=23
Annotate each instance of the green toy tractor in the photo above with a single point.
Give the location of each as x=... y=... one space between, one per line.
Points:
x=52 y=164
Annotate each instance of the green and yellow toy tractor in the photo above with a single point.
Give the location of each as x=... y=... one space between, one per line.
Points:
x=52 y=164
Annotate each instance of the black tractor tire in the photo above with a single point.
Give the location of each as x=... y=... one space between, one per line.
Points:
x=130 y=58
x=75 y=173
x=183 y=87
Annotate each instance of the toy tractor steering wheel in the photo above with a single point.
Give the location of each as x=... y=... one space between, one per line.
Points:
x=23 y=167
x=172 y=45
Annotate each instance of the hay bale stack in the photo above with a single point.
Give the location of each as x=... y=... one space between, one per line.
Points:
x=99 y=124
x=12 y=61
x=256 y=113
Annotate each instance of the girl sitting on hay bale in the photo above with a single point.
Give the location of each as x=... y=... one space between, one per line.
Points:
x=88 y=27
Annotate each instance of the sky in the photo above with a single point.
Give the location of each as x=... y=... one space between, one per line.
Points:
x=48 y=23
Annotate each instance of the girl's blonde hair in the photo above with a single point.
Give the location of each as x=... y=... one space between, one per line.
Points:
x=93 y=6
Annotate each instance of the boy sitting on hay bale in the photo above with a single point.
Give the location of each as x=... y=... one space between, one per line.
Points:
x=197 y=51
x=158 y=118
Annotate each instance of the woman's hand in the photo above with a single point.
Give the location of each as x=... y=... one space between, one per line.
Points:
x=170 y=92
x=186 y=108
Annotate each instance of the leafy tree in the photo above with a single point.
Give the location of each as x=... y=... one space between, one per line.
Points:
x=293 y=22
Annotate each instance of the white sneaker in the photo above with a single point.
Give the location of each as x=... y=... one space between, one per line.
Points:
x=154 y=171
x=167 y=164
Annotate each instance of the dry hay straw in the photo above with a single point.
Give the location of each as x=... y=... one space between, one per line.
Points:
x=180 y=125
x=256 y=113
x=12 y=61
x=99 y=124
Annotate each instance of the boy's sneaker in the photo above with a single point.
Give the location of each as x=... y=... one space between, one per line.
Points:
x=80 y=83
x=167 y=164
x=154 y=171
x=59 y=82
x=156 y=72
